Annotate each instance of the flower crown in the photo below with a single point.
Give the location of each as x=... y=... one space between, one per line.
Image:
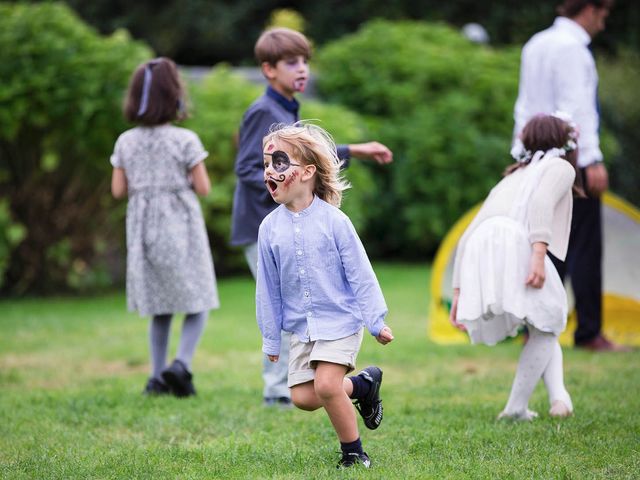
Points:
x=522 y=155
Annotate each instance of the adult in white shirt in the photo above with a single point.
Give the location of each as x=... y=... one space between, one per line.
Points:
x=558 y=72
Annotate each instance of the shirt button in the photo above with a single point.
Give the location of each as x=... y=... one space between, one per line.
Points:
x=306 y=293
x=302 y=271
x=297 y=230
x=299 y=252
x=296 y=214
x=309 y=315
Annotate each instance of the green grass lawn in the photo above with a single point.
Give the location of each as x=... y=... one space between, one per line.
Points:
x=72 y=371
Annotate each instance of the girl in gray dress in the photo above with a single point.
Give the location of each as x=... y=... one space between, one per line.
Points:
x=169 y=265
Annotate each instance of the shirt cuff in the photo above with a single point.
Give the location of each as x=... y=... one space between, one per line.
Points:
x=270 y=347
x=343 y=153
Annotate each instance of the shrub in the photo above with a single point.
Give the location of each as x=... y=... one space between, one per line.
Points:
x=60 y=97
x=620 y=100
x=443 y=104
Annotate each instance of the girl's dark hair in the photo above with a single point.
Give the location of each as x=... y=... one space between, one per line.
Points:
x=571 y=8
x=544 y=132
x=164 y=103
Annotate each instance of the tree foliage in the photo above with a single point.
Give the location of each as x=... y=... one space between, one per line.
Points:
x=205 y=32
x=60 y=97
x=443 y=104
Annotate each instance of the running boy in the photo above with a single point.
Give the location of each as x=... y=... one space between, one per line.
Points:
x=315 y=281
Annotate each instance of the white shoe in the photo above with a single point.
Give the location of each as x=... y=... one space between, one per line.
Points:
x=560 y=410
x=526 y=416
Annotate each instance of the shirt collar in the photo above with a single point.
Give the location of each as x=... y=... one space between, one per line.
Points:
x=573 y=28
x=289 y=105
x=307 y=211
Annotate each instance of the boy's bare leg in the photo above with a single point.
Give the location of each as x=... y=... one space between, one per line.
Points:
x=305 y=398
x=329 y=385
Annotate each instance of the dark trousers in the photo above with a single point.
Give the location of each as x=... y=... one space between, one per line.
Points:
x=584 y=266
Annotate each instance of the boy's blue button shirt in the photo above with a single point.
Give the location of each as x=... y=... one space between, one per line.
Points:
x=251 y=200
x=314 y=277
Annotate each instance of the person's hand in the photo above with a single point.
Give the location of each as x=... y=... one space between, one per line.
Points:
x=385 y=336
x=372 y=151
x=536 y=275
x=454 y=311
x=597 y=179
x=273 y=358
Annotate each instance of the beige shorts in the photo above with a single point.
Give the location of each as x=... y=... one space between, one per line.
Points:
x=303 y=357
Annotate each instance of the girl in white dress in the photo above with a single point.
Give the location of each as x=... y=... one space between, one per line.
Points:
x=503 y=278
x=160 y=167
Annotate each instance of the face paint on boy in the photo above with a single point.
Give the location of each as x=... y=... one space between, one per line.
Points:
x=299 y=85
x=291 y=178
x=298 y=66
x=280 y=161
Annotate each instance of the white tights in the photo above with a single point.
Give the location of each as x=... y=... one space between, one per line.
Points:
x=541 y=357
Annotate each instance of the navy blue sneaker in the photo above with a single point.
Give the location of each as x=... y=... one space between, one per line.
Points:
x=370 y=406
x=351 y=459
x=179 y=379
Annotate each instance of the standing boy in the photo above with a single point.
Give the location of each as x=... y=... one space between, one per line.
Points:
x=283 y=56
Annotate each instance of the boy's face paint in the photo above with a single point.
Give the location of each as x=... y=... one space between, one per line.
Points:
x=291 y=75
x=299 y=85
x=278 y=173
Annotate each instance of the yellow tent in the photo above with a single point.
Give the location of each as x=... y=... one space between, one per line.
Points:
x=621 y=277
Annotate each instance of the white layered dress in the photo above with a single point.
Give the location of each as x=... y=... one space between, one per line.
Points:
x=493 y=258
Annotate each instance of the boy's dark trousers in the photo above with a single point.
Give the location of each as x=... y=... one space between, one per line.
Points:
x=584 y=266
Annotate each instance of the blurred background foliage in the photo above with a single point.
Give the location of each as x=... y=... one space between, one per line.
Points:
x=205 y=32
x=60 y=98
x=443 y=103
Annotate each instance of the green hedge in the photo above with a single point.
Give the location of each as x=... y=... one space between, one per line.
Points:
x=443 y=104
x=60 y=98
x=620 y=102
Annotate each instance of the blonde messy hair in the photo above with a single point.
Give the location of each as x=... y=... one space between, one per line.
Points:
x=313 y=146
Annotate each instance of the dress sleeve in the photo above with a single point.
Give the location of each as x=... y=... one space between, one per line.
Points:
x=194 y=151
x=116 y=157
x=555 y=182
x=268 y=295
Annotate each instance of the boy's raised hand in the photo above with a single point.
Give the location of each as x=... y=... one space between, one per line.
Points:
x=385 y=335
x=373 y=151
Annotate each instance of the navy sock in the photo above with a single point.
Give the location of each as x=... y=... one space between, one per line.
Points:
x=360 y=386
x=352 y=447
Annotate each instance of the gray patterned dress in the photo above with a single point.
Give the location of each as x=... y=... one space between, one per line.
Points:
x=169 y=264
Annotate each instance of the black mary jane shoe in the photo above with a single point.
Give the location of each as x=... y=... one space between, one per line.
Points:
x=155 y=386
x=179 y=379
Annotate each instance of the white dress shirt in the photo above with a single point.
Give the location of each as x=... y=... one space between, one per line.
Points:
x=558 y=72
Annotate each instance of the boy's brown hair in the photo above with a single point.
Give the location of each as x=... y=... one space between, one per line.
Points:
x=165 y=93
x=277 y=43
